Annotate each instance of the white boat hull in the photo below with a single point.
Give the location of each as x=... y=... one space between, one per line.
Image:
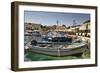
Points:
x=59 y=51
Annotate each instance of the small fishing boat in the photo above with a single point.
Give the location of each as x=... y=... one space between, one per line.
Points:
x=58 y=46
x=60 y=50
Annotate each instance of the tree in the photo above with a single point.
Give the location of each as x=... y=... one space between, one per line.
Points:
x=64 y=25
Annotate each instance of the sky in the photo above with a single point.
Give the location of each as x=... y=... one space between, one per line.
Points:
x=51 y=18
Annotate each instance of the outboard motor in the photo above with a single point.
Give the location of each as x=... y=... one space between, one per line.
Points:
x=34 y=42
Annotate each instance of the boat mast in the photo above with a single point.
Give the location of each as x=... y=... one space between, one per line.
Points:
x=57 y=22
x=57 y=29
x=74 y=24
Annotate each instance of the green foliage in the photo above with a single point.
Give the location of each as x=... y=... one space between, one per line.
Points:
x=86 y=54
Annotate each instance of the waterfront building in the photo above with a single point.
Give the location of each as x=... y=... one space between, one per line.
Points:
x=60 y=28
x=27 y=26
x=80 y=30
x=85 y=28
x=36 y=27
x=32 y=26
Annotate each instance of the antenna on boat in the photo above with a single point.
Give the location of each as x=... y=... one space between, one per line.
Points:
x=74 y=24
x=57 y=22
